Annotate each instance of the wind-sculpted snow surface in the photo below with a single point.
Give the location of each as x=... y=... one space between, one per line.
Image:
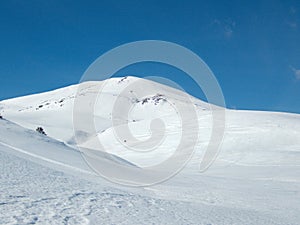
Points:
x=34 y=194
x=44 y=179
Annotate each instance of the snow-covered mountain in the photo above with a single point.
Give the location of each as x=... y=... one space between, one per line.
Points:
x=53 y=110
x=254 y=179
x=250 y=137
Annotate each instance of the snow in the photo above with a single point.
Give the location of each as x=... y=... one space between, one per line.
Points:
x=45 y=180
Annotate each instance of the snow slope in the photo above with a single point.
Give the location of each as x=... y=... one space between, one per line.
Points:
x=62 y=190
x=254 y=180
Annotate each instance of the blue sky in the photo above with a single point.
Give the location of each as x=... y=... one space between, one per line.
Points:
x=252 y=47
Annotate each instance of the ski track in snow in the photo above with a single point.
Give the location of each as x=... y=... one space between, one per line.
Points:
x=45 y=159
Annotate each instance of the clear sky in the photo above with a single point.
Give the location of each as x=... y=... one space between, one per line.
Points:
x=253 y=47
